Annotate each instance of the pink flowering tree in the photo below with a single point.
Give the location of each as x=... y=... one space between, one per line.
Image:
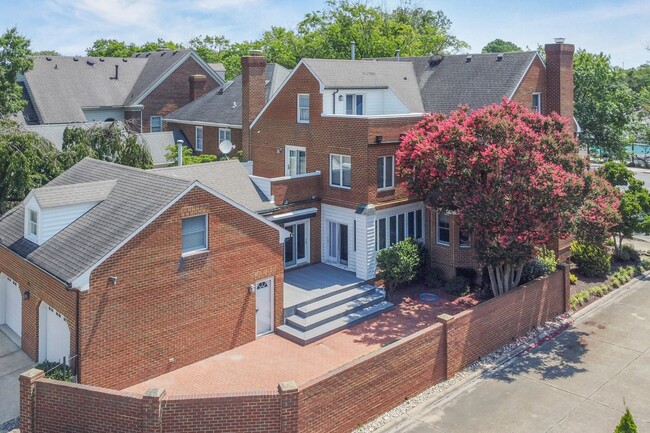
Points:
x=599 y=215
x=513 y=177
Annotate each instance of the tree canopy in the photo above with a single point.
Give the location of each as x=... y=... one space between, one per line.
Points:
x=500 y=46
x=513 y=178
x=115 y=48
x=15 y=59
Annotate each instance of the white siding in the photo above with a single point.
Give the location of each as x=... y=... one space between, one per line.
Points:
x=103 y=115
x=376 y=102
x=342 y=216
x=53 y=220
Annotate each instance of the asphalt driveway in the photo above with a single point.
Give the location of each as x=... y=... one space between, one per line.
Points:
x=13 y=362
x=577 y=382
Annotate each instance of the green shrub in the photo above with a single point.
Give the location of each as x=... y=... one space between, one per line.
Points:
x=610 y=243
x=54 y=370
x=544 y=264
x=626 y=425
x=458 y=286
x=573 y=279
x=400 y=263
x=592 y=260
x=579 y=299
x=599 y=290
x=627 y=253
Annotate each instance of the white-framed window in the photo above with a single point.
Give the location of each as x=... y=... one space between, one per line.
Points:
x=195 y=234
x=464 y=240
x=341 y=171
x=303 y=108
x=385 y=172
x=32 y=223
x=354 y=104
x=395 y=228
x=537 y=102
x=198 y=138
x=224 y=134
x=442 y=227
x=295 y=159
x=155 y=124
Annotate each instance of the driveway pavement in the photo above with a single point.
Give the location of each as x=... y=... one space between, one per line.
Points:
x=576 y=382
x=13 y=362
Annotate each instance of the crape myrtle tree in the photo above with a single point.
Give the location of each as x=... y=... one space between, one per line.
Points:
x=598 y=217
x=513 y=178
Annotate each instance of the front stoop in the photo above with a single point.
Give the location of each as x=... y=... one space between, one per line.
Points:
x=321 y=317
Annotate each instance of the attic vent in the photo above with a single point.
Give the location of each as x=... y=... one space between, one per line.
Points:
x=162 y=54
x=101 y=60
x=234 y=104
x=148 y=54
x=124 y=60
x=48 y=58
x=137 y=55
x=468 y=58
x=75 y=59
x=499 y=57
x=434 y=60
x=90 y=63
x=174 y=53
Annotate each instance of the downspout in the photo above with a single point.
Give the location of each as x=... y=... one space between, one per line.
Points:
x=141 y=120
x=78 y=336
x=334 y=101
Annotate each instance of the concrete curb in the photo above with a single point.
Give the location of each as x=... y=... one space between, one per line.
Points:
x=506 y=359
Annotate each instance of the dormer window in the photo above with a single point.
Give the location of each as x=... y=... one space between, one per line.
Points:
x=354 y=104
x=32 y=223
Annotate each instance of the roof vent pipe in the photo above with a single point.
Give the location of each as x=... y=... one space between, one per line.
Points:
x=353 y=53
x=179 y=143
x=397 y=55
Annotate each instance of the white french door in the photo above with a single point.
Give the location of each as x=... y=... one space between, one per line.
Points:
x=337 y=240
x=296 y=247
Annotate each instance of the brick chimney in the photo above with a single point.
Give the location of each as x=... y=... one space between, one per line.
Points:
x=559 y=79
x=253 y=94
x=197 y=86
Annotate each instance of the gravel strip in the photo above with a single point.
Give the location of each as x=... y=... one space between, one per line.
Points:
x=528 y=341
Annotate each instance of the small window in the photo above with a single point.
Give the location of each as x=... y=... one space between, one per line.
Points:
x=341 y=171
x=354 y=104
x=155 y=124
x=224 y=135
x=537 y=102
x=33 y=222
x=199 y=139
x=385 y=172
x=195 y=234
x=303 y=108
x=464 y=240
x=443 y=229
x=393 y=229
x=381 y=234
x=295 y=160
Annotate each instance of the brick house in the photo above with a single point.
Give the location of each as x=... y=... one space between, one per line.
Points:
x=129 y=272
x=141 y=89
x=216 y=116
x=323 y=146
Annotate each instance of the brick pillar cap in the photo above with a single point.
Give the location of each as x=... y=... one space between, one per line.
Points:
x=286 y=387
x=444 y=318
x=198 y=77
x=33 y=373
x=155 y=392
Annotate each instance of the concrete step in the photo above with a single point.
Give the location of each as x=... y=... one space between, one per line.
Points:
x=334 y=311
x=309 y=336
x=319 y=305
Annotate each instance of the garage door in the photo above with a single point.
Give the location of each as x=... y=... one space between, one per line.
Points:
x=54 y=335
x=13 y=314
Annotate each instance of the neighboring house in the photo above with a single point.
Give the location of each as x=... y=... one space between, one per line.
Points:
x=216 y=116
x=141 y=89
x=130 y=272
x=323 y=146
x=156 y=142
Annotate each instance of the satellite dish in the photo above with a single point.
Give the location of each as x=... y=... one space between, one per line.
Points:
x=226 y=147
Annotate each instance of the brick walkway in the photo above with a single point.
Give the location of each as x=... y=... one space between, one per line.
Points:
x=262 y=364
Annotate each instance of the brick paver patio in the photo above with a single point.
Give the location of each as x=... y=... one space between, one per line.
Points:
x=262 y=364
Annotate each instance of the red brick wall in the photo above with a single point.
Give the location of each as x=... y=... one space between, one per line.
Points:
x=366 y=388
x=488 y=326
x=296 y=189
x=165 y=306
x=534 y=81
x=314 y=224
x=210 y=138
x=173 y=92
x=559 y=79
x=41 y=287
x=448 y=257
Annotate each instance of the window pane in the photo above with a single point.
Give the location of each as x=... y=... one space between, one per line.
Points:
x=300 y=241
x=389 y=172
x=380 y=172
x=400 y=227
x=349 y=104
x=393 y=229
x=359 y=104
x=382 y=233
x=193 y=233
x=302 y=162
x=347 y=170
x=443 y=229
x=463 y=238
x=418 y=224
x=335 y=165
x=410 y=230
x=303 y=108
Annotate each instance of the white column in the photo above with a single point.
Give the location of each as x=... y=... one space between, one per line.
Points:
x=365 y=240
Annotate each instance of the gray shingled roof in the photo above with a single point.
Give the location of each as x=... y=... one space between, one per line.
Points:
x=223 y=105
x=229 y=178
x=453 y=80
x=66 y=195
x=157 y=143
x=347 y=74
x=136 y=197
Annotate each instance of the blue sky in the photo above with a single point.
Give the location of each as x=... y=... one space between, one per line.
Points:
x=619 y=28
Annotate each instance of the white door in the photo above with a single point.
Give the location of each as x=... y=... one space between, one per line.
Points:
x=337 y=241
x=13 y=305
x=54 y=335
x=296 y=246
x=264 y=306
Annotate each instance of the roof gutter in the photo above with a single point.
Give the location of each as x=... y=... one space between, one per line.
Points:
x=199 y=123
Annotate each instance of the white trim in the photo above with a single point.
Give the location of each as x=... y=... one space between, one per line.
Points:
x=340 y=171
x=196 y=138
x=373 y=116
x=307 y=258
x=171 y=70
x=539 y=108
x=294 y=213
x=287 y=160
x=195 y=123
x=151 y=123
x=354 y=105
x=295 y=176
x=206 y=238
x=298 y=95
x=392 y=181
x=82 y=281
x=272 y=309
x=438 y=241
x=521 y=79
x=219 y=135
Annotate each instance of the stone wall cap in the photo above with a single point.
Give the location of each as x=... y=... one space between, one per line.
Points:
x=289 y=386
x=32 y=373
x=155 y=392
